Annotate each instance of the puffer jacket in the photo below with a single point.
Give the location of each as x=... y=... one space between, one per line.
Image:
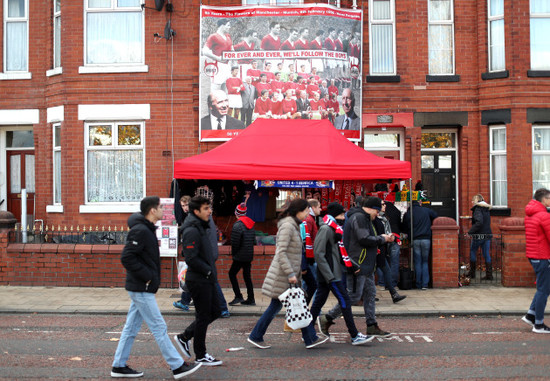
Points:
x=243 y=239
x=287 y=260
x=140 y=256
x=481 y=221
x=537 y=231
x=198 y=250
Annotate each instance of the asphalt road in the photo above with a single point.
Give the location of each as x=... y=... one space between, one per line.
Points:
x=71 y=347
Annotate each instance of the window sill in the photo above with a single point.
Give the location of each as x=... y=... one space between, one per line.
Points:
x=495 y=75
x=443 y=78
x=501 y=211
x=54 y=208
x=14 y=76
x=383 y=78
x=538 y=73
x=56 y=71
x=113 y=69
x=130 y=207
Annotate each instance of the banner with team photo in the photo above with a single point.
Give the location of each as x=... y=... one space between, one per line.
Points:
x=295 y=62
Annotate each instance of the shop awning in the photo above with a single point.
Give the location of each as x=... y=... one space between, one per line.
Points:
x=271 y=149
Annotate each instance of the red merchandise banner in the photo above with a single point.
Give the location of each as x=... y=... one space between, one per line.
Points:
x=347 y=194
x=325 y=197
x=305 y=58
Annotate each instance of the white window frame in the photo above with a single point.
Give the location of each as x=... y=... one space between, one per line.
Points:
x=56 y=148
x=13 y=74
x=538 y=152
x=390 y=131
x=112 y=207
x=490 y=21
x=113 y=67
x=493 y=153
x=536 y=16
x=373 y=22
x=450 y=22
x=56 y=34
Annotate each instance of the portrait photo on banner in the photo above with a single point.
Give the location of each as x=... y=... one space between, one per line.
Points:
x=298 y=62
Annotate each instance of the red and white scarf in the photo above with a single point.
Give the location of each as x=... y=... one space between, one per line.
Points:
x=309 y=243
x=338 y=230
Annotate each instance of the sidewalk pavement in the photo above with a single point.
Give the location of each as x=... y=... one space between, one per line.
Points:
x=476 y=300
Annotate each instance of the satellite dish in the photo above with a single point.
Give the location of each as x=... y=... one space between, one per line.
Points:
x=159 y=4
x=168 y=31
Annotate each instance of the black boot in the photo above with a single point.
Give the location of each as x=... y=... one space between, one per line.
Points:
x=488 y=271
x=396 y=298
x=472 y=274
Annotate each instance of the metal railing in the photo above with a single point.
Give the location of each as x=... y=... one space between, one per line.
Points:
x=495 y=251
x=98 y=235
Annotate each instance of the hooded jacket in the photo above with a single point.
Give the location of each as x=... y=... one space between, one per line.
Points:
x=140 y=256
x=360 y=240
x=537 y=231
x=481 y=220
x=243 y=239
x=198 y=250
x=327 y=255
x=287 y=260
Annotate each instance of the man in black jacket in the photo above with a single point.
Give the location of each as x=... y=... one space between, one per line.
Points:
x=141 y=259
x=200 y=279
x=243 y=239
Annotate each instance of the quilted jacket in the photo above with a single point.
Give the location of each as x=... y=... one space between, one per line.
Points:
x=537 y=231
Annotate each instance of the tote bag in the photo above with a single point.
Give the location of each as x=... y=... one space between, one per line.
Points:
x=182 y=271
x=297 y=313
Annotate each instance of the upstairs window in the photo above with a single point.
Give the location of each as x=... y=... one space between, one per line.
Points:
x=441 y=37
x=499 y=177
x=114 y=32
x=56 y=33
x=540 y=30
x=497 y=59
x=16 y=36
x=382 y=37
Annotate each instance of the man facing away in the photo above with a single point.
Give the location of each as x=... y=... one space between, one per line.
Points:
x=141 y=259
x=361 y=243
x=201 y=279
x=537 y=250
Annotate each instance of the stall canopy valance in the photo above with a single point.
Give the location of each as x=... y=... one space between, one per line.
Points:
x=271 y=149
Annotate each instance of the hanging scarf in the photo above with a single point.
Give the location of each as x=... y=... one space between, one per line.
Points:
x=309 y=244
x=338 y=230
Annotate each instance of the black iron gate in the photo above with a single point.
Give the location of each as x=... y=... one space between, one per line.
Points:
x=480 y=275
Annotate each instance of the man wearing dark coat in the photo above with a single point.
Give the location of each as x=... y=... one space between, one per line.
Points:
x=218 y=106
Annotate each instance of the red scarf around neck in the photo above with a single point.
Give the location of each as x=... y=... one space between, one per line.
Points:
x=338 y=230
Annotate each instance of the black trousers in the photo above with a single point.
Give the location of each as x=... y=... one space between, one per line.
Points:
x=207 y=309
x=236 y=266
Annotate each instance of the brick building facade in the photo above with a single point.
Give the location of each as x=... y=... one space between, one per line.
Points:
x=464 y=100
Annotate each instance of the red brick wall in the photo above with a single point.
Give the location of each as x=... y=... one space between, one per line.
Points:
x=516 y=269
x=98 y=265
x=444 y=253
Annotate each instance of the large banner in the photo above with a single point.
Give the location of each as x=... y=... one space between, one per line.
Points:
x=298 y=62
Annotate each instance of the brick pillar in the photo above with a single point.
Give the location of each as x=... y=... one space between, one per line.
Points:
x=7 y=224
x=516 y=269
x=444 y=252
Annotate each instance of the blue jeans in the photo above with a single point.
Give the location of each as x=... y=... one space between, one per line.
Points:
x=221 y=298
x=542 y=271
x=394 y=251
x=308 y=334
x=485 y=246
x=421 y=251
x=144 y=307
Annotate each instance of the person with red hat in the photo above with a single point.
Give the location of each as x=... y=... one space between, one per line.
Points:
x=243 y=239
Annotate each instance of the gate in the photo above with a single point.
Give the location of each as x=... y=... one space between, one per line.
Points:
x=495 y=251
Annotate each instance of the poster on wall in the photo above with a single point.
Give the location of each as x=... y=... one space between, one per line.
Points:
x=295 y=62
x=167 y=230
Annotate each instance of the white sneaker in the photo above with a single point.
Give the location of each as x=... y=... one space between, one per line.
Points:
x=541 y=328
x=361 y=339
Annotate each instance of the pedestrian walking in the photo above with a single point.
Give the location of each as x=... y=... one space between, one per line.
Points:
x=537 y=250
x=243 y=239
x=141 y=259
x=185 y=299
x=361 y=243
x=284 y=270
x=481 y=236
x=201 y=280
x=329 y=271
